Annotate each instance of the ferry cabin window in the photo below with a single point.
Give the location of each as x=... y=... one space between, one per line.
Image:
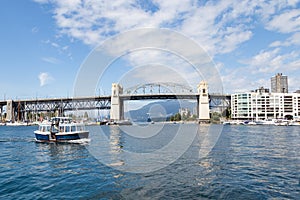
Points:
x=61 y=129
x=43 y=128
x=67 y=129
x=73 y=128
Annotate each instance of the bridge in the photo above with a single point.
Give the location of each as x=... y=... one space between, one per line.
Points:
x=19 y=109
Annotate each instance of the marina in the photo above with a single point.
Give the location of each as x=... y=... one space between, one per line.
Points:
x=275 y=122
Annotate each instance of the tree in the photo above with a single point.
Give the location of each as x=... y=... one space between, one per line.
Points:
x=86 y=116
x=227 y=113
x=30 y=116
x=215 y=117
x=176 y=117
x=172 y=118
x=193 y=117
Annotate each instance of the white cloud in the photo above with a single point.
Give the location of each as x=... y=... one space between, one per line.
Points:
x=152 y=73
x=220 y=27
x=62 y=49
x=51 y=60
x=243 y=80
x=45 y=78
x=293 y=40
x=256 y=71
x=42 y=1
x=286 y=22
x=65 y=48
x=35 y=29
x=160 y=66
x=294 y=83
x=273 y=61
x=92 y=21
x=262 y=59
x=55 y=45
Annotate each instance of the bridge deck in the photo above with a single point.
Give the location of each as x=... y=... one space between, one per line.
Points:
x=98 y=102
x=124 y=97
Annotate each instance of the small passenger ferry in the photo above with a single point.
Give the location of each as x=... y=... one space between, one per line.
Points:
x=60 y=129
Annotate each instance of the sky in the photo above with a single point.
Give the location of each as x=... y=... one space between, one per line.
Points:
x=45 y=43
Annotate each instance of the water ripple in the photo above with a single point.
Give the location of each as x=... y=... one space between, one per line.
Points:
x=247 y=163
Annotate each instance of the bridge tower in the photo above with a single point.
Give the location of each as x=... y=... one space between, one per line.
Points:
x=10 y=111
x=117 y=105
x=203 y=102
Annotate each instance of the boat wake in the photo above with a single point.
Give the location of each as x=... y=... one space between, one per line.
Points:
x=82 y=141
x=15 y=140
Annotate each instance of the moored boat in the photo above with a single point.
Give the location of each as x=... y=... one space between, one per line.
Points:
x=16 y=124
x=103 y=122
x=120 y=122
x=252 y=123
x=281 y=122
x=269 y=122
x=60 y=129
x=226 y=123
x=294 y=123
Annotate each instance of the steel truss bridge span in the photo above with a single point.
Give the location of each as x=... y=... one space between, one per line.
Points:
x=62 y=104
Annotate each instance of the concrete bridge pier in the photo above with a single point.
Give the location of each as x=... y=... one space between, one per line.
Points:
x=10 y=111
x=117 y=104
x=203 y=103
x=2 y=113
x=15 y=111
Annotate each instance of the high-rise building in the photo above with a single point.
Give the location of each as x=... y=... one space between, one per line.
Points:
x=279 y=83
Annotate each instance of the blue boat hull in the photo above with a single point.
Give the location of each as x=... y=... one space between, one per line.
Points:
x=75 y=136
x=41 y=137
x=72 y=136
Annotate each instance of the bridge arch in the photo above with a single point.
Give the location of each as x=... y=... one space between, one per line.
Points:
x=159 y=88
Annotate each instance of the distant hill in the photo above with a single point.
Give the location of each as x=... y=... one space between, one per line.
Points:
x=159 y=111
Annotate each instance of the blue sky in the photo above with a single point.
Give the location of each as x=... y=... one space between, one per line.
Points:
x=44 y=42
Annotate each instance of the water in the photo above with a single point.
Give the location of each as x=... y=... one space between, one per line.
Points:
x=247 y=162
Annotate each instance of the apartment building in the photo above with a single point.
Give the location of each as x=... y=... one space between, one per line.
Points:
x=261 y=105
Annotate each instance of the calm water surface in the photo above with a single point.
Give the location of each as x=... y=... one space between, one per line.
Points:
x=247 y=162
